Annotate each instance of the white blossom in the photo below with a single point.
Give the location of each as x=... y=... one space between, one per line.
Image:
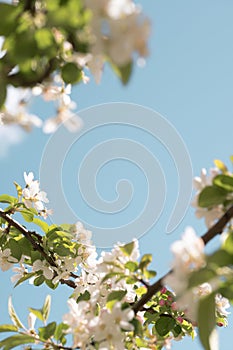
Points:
x=209 y=214
x=65 y=267
x=20 y=271
x=222 y=304
x=82 y=235
x=15 y=110
x=188 y=256
x=107 y=327
x=6 y=260
x=43 y=266
x=78 y=320
x=33 y=196
x=112 y=21
x=64 y=116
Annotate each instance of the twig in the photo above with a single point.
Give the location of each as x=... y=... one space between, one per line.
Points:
x=29 y=236
x=208 y=236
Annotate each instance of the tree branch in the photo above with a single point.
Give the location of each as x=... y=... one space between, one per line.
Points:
x=208 y=236
x=29 y=236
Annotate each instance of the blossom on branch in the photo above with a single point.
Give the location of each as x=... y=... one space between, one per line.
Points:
x=200 y=182
x=33 y=196
x=6 y=259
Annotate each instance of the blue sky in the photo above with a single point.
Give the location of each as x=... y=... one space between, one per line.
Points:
x=188 y=79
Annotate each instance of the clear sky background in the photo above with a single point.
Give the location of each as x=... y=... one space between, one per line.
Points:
x=188 y=78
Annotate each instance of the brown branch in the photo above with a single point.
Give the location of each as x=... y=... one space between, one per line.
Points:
x=29 y=236
x=208 y=236
x=218 y=227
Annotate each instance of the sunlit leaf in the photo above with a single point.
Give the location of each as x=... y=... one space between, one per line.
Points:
x=5 y=198
x=127 y=248
x=164 y=325
x=206 y=324
x=211 y=196
x=220 y=165
x=13 y=315
x=47 y=331
x=46 y=307
x=8 y=328
x=16 y=340
x=224 y=181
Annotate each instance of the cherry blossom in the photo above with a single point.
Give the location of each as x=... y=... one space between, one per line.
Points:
x=6 y=259
x=15 y=109
x=78 y=320
x=33 y=196
x=209 y=214
x=43 y=266
x=222 y=304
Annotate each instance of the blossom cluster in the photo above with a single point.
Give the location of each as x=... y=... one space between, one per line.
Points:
x=107 y=289
x=86 y=50
x=189 y=256
x=200 y=182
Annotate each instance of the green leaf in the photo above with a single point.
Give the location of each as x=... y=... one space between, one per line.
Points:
x=149 y=273
x=228 y=243
x=201 y=276
x=84 y=296
x=18 y=189
x=140 y=291
x=8 y=18
x=70 y=73
x=8 y=328
x=224 y=181
x=164 y=325
x=25 y=246
x=5 y=198
x=123 y=72
x=116 y=295
x=51 y=285
x=227 y=290
x=151 y=318
x=60 y=330
x=131 y=266
x=2 y=93
x=27 y=215
x=138 y=330
x=37 y=312
x=42 y=224
x=16 y=340
x=66 y=14
x=44 y=38
x=141 y=343
x=62 y=250
x=15 y=248
x=220 y=165
x=206 y=324
x=39 y=280
x=127 y=248
x=13 y=315
x=110 y=275
x=145 y=261
x=220 y=258
x=46 y=307
x=48 y=331
x=177 y=330
x=24 y=278
x=211 y=196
